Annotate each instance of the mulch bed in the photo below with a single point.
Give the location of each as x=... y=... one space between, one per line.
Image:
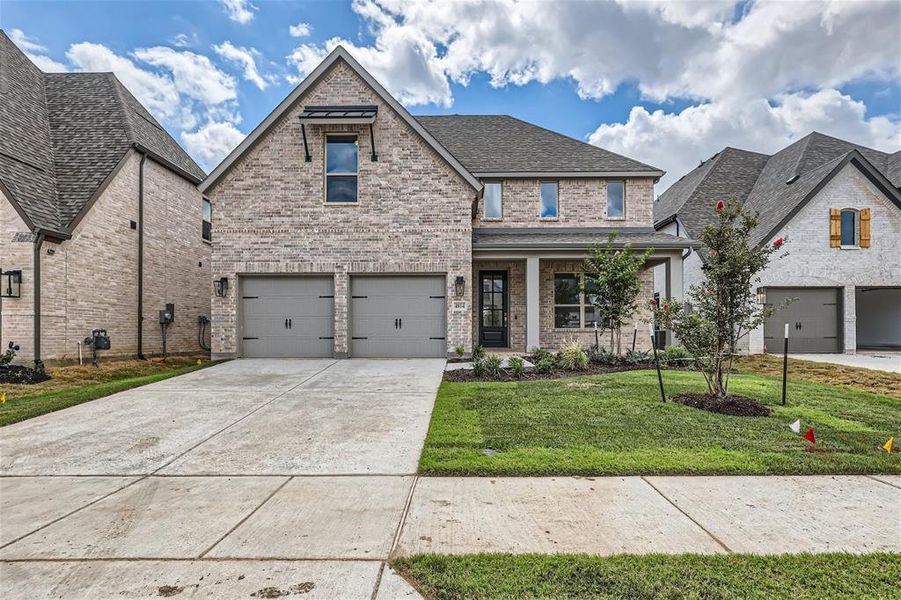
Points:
x=17 y=374
x=533 y=374
x=737 y=406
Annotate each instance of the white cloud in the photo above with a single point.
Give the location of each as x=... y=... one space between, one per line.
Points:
x=678 y=142
x=183 y=40
x=239 y=11
x=300 y=30
x=212 y=142
x=246 y=58
x=193 y=74
x=36 y=52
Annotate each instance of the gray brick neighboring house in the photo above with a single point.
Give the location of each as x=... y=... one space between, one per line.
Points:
x=95 y=197
x=838 y=206
x=344 y=226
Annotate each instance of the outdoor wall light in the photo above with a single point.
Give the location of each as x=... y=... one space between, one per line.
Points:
x=459 y=286
x=222 y=287
x=11 y=284
x=761 y=295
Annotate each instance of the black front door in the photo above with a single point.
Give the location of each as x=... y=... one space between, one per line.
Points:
x=493 y=309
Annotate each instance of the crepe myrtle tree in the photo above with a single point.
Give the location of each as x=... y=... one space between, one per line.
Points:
x=724 y=308
x=613 y=284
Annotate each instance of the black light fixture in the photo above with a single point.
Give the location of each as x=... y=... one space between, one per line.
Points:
x=761 y=295
x=459 y=286
x=222 y=287
x=11 y=284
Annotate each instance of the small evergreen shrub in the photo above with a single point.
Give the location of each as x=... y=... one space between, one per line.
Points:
x=460 y=351
x=540 y=353
x=545 y=364
x=492 y=364
x=517 y=366
x=675 y=356
x=602 y=356
x=478 y=353
x=637 y=357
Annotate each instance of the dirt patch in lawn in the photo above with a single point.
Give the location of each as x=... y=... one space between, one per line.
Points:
x=737 y=406
x=867 y=380
x=533 y=374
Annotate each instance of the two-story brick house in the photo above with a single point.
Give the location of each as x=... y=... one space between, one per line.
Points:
x=101 y=221
x=344 y=226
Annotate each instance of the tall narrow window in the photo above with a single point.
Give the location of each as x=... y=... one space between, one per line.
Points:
x=849 y=227
x=548 y=200
x=341 y=168
x=493 y=201
x=616 y=199
x=207 y=230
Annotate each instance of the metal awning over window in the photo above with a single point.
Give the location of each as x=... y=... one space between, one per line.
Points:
x=339 y=115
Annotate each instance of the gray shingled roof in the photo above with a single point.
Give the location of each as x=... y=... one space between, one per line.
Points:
x=760 y=182
x=501 y=238
x=504 y=144
x=62 y=134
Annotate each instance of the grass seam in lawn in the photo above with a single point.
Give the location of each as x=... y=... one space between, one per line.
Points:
x=690 y=518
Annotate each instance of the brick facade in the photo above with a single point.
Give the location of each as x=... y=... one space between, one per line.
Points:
x=90 y=280
x=581 y=202
x=16 y=253
x=413 y=214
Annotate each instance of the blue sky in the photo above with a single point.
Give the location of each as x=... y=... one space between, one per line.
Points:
x=665 y=83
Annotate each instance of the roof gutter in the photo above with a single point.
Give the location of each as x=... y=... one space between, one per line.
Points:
x=566 y=174
x=36 y=321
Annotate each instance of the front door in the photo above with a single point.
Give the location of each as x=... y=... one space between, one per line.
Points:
x=493 y=309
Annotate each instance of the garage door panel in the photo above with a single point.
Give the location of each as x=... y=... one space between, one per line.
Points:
x=397 y=316
x=287 y=317
x=813 y=320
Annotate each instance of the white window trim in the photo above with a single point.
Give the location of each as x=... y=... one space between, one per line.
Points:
x=326 y=174
x=485 y=217
x=607 y=200
x=583 y=303
x=556 y=217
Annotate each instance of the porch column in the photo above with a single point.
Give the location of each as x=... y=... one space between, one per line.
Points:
x=533 y=339
x=674 y=278
x=849 y=319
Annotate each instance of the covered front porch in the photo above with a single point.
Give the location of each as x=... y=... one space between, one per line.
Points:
x=527 y=285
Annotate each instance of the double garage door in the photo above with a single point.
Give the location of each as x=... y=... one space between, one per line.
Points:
x=390 y=316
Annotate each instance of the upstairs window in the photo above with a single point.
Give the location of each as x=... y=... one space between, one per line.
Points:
x=849 y=227
x=341 y=168
x=616 y=200
x=548 y=200
x=493 y=201
x=207 y=228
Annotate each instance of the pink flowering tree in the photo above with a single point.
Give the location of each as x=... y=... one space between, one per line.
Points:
x=724 y=308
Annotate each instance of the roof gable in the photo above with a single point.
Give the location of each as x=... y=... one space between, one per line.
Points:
x=284 y=108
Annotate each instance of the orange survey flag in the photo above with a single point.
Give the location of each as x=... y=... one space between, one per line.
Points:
x=808 y=435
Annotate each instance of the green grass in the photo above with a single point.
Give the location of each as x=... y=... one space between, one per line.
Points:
x=616 y=425
x=25 y=406
x=814 y=576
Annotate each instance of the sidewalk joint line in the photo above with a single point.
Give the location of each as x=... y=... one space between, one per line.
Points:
x=688 y=516
x=897 y=487
x=403 y=516
x=247 y=516
x=378 y=582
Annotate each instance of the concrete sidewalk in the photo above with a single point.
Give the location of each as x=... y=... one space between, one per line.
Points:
x=640 y=515
x=887 y=360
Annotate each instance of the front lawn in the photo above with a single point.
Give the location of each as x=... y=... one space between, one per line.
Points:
x=616 y=425
x=75 y=384
x=508 y=576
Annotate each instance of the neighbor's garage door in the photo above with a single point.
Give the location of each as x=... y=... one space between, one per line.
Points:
x=813 y=320
x=286 y=317
x=398 y=317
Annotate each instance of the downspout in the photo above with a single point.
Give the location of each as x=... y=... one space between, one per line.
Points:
x=141 y=257
x=38 y=243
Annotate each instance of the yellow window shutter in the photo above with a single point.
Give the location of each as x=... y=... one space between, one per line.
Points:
x=865 y=228
x=835 y=227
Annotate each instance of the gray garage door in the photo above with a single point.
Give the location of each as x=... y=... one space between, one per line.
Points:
x=398 y=317
x=813 y=320
x=286 y=317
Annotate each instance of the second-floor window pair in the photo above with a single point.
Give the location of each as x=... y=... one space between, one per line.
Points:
x=549 y=205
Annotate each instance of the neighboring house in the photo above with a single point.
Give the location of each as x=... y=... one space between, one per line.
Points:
x=344 y=226
x=838 y=206
x=100 y=218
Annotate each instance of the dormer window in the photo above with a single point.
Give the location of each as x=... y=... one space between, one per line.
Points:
x=341 y=168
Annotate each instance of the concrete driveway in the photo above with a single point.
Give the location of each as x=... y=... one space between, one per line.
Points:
x=886 y=360
x=252 y=477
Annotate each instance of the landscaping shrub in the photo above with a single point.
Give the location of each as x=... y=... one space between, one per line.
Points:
x=478 y=367
x=572 y=357
x=517 y=366
x=478 y=353
x=675 y=356
x=460 y=351
x=540 y=353
x=602 y=356
x=637 y=357
x=545 y=364
x=492 y=364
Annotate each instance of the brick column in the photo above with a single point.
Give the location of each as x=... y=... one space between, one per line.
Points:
x=342 y=301
x=849 y=307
